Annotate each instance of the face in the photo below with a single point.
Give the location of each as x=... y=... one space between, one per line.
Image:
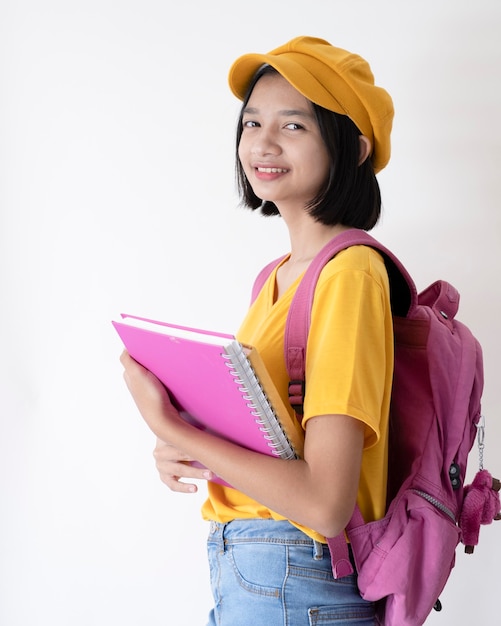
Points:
x=281 y=149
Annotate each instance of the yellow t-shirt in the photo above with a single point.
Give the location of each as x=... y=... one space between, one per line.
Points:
x=349 y=369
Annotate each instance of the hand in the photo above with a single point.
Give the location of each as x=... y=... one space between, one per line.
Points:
x=153 y=402
x=172 y=465
x=151 y=398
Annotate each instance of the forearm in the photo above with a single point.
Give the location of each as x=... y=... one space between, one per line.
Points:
x=292 y=489
x=318 y=491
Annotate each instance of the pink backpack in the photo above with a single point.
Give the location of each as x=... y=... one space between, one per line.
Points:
x=403 y=561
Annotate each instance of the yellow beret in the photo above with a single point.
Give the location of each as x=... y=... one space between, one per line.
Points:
x=331 y=77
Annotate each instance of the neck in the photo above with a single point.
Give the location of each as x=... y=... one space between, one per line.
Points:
x=308 y=237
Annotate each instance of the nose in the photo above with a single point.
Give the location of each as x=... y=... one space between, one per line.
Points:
x=265 y=143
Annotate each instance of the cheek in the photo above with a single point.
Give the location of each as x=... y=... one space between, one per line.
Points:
x=243 y=157
x=241 y=151
x=323 y=168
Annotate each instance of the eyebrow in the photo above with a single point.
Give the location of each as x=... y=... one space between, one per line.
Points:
x=283 y=112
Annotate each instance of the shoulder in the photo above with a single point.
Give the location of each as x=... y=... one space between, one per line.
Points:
x=356 y=260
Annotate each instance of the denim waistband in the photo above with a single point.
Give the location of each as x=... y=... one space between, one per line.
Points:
x=259 y=529
x=262 y=530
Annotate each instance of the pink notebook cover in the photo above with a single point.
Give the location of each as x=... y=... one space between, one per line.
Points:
x=199 y=381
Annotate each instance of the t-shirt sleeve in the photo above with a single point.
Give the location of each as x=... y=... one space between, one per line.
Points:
x=346 y=358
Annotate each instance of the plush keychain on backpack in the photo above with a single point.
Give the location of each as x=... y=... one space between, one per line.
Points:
x=481 y=505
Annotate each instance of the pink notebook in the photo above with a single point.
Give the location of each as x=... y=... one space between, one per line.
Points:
x=216 y=383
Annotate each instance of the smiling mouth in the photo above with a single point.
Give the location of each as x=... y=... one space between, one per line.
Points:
x=271 y=170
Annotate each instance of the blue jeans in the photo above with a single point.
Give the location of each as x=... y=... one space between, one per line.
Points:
x=268 y=573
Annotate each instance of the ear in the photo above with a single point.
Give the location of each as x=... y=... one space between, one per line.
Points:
x=365 y=148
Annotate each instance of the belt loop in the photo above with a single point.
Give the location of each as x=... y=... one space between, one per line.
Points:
x=216 y=535
x=318 y=551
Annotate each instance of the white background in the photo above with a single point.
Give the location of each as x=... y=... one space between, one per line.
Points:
x=117 y=194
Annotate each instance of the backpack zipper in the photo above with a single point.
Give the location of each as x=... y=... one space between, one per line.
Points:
x=436 y=503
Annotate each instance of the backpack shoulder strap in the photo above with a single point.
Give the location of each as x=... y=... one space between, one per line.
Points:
x=403 y=296
x=263 y=275
x=404 y=299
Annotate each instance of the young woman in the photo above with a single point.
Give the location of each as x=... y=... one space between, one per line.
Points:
x=313 y=131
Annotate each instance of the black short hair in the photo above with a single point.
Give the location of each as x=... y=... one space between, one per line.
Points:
x=351 y=194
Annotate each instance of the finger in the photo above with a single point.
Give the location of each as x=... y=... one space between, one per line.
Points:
x=126 y=360
x=178 y=475
x=183 y=469
x=174 y=483
x=182 y=483
x=131 y=368
x=166 y=452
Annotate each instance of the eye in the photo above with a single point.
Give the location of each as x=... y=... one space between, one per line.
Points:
x=294 y=126
x=249 y=124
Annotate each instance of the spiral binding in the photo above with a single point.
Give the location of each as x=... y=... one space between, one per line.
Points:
x=258 y=403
